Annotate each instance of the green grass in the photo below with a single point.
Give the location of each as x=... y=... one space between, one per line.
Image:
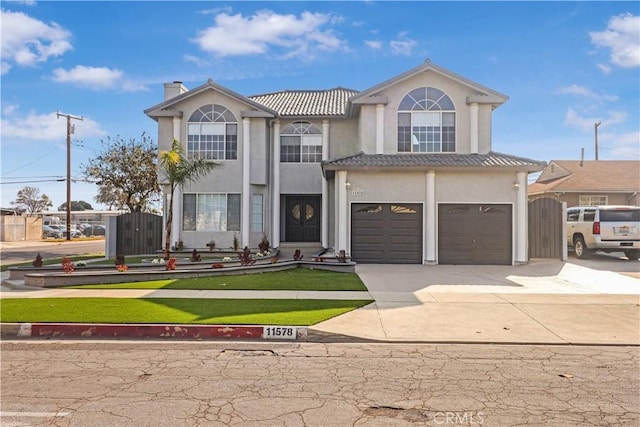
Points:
x=174 y=310
x=300 y=279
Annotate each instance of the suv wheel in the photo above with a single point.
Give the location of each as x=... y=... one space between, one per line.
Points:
x=581 y=248
x=632 y=254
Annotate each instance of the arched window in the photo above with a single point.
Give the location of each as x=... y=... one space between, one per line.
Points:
x=212 y=133
x=300 y=142
x=426 y=122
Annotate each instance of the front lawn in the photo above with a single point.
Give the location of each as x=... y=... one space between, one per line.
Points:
x=174 y=311
x=299 y=279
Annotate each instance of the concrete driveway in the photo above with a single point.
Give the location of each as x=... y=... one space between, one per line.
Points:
x=546 y=301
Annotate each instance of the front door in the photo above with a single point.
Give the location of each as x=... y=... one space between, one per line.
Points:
x=302 y=223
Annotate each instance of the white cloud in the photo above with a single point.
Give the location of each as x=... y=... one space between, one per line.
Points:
x=606 y=69
x=373 y=44
x=27 y=41
x=402 y=45
x=584 y=92
x=96 y=78
x=195 y=60
x=8 y=109
x=585 y=124
x=622 y=36
x=45 y=127
x=303 y=36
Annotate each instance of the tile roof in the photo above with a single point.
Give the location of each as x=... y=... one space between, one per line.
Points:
x=435 y=160
x=330 y=102
x=601 y=175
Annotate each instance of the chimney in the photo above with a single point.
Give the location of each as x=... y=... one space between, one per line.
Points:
x=171 y=90
x=582 y=157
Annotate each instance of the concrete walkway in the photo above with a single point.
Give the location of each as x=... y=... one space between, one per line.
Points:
x=544 y=302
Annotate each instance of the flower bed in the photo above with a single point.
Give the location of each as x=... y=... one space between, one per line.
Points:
x=111 y=275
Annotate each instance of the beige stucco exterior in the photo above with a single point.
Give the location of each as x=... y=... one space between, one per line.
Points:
x=368 y=126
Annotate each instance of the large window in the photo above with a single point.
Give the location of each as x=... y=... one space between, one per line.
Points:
x=212 y=134
x=426 y=122
x=211 y=212
x=301 y=142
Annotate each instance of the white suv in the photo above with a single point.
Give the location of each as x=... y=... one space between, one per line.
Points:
x=604 y=228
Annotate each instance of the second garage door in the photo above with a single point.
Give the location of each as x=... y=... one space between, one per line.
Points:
x=474 y=234
x=386 y=233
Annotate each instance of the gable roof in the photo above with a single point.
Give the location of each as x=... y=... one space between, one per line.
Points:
x=588 y=176
x=421 y=161
x=164 y=108
x=294 y=103
x=486 y=95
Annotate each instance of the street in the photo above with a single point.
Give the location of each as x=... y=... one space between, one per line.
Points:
x=146 y=383
x=14 y=252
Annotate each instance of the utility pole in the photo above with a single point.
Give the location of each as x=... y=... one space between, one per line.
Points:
x=595 y=128
x=69 y=132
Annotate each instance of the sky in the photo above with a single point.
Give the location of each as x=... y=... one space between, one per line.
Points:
x=564 y=66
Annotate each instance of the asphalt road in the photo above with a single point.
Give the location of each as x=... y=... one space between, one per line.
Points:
x=66 y=383
x=14 y=252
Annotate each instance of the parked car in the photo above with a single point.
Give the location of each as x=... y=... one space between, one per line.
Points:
x=94 y=230
x=604 y=228
x=48 y=231
x=75 y=233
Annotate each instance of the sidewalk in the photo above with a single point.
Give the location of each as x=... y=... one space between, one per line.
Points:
x=544 y=302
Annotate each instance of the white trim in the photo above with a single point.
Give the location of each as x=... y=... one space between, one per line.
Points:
x=245 y=211
x=324 y=203
x=431 y=226
x=343 y=213
x=275 y=238
x=473 y=127
x=521 y=219
x=380 y=129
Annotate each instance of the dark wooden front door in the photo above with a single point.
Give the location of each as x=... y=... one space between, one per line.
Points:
x=302 y=223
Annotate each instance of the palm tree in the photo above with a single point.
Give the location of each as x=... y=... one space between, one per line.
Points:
x=180 y=170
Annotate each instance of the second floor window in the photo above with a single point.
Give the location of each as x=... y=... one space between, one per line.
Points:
x=301 y=142
x=212 y=133
x=426 y=122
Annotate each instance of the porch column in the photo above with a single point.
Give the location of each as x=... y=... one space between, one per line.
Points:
x=473 y=127
x=324 y=226
x=521 y=218
x=176 y=229
x=275 y=226
x=431 y=218
x=176 y=128
x=380 y=129
x=246 y=181
x=341 y=182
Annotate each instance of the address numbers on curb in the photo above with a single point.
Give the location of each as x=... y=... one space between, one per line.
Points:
x=280 y=332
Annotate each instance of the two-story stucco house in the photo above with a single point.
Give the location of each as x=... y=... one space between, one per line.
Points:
x=402 y=172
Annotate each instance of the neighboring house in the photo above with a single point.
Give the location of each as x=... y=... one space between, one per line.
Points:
x=402 y=172
x=589 y=183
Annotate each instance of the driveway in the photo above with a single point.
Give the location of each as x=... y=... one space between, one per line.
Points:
x=544 y=302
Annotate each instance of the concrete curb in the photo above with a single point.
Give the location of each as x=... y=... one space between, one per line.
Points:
x=195 y=332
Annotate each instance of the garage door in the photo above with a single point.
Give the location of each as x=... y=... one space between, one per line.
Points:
x=386 y=233
x=474 y=234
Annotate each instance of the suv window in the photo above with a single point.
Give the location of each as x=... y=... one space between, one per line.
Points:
x=626 y=215
x=572 y=216
x=589 y=215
